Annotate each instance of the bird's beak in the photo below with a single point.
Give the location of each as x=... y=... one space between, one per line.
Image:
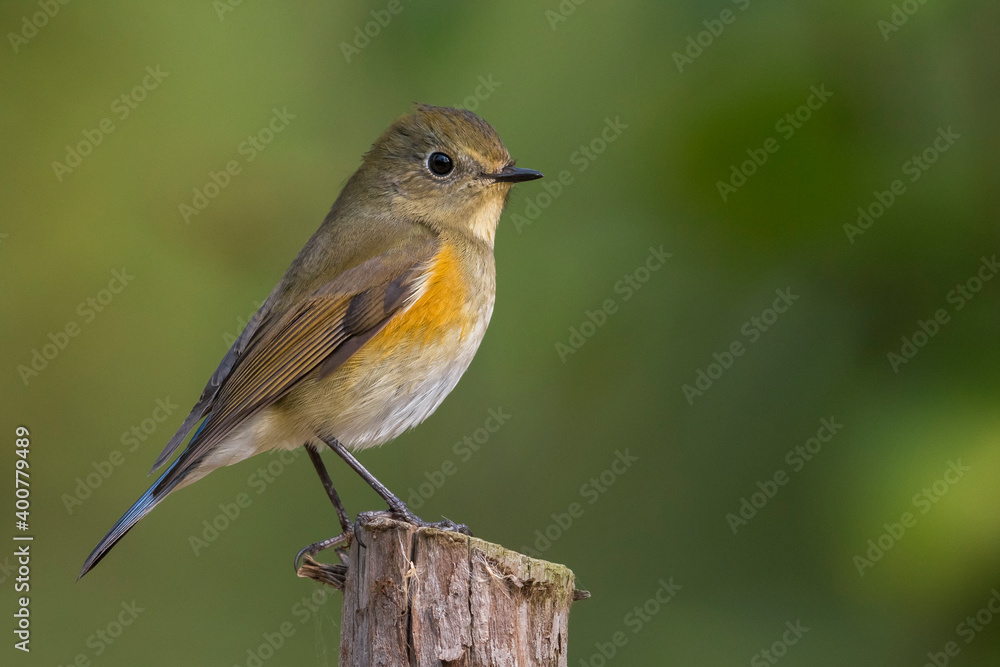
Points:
x=515 y=175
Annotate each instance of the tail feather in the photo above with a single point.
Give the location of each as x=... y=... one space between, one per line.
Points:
x=150 y=499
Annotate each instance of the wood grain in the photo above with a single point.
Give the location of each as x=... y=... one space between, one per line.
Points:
x=423 y=597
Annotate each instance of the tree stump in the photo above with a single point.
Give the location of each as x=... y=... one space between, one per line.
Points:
x=421 y=596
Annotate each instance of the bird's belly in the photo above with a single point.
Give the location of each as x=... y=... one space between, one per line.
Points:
x=405 y=371
x=375 y=396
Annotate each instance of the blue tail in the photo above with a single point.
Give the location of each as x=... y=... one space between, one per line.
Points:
x=141 y=508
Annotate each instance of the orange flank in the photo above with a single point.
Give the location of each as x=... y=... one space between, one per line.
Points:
x=441 y=307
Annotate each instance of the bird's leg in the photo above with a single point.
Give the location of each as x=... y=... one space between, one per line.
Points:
x=324 y=477
x=396 y=506
x=347 y=528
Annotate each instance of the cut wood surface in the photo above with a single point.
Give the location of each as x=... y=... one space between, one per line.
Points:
x=422 y=596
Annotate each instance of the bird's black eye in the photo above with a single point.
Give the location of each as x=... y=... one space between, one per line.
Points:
x=440 y=164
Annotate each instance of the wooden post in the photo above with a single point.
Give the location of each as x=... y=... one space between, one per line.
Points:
x=421 y=596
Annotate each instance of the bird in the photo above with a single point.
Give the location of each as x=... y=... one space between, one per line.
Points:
x=373 y=323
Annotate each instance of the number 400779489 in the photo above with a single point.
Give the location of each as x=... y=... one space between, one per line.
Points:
x=22 y=490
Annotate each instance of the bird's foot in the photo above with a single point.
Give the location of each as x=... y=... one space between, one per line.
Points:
x=340 y=541
x=403 y=513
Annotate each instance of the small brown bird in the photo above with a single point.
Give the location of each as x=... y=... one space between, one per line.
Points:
x=374 y=322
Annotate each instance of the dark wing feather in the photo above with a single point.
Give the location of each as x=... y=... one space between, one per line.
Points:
x=326 y=327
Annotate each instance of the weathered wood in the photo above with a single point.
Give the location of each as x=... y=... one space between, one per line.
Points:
x=422 y=597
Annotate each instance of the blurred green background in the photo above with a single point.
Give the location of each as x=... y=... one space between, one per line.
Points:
x=550 y=77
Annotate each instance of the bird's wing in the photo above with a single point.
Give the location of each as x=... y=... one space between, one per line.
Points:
x=320 y=333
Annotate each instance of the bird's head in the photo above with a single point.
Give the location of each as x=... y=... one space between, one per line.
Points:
x=445 y=167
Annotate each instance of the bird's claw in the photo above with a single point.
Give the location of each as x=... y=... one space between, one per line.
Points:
x=316 y=547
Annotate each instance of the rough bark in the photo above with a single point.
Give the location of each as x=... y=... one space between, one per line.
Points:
x=421 y=597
